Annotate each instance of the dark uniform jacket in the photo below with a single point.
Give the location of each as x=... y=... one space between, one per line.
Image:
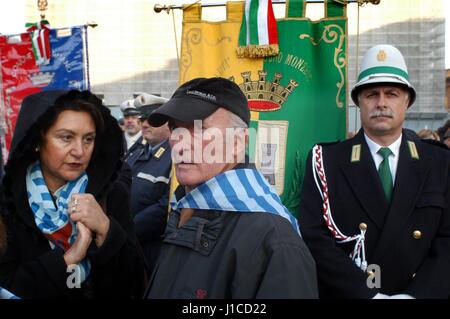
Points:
x=409 y=239
x=150 y=197
x=132 y=154
x=233 y=255
x=30 y=268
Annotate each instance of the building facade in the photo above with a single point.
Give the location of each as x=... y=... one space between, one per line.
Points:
x=133 y=49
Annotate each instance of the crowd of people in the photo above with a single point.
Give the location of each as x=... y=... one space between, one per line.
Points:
x=87 y=211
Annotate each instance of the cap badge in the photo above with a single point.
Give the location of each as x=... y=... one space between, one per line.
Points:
x=381 y=56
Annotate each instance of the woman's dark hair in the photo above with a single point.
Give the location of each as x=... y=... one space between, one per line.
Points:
x=78 y=101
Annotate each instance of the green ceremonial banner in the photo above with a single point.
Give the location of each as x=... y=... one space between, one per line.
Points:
x=298 y=98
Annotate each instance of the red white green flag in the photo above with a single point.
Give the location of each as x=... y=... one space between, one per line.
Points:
x=258 y=36
x=40 y=41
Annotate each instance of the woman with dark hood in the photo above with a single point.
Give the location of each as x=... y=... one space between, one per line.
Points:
x=69 y=226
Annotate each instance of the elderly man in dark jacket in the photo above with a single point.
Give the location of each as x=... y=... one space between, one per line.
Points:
x=229 y=235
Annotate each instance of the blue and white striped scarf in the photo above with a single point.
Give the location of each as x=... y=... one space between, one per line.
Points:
x=5 y=294
x=240 y=190
x=50 y=219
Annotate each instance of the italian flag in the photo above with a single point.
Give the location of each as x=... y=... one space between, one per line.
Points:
x=40 y=41
x=258 y=36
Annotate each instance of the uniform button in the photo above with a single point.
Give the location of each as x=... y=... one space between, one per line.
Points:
x=414 y=275
x=205 y=244
x=417 y=234
x=363 y=226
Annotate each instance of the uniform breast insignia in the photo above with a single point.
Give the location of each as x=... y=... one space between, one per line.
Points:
x=413 y=150
x=160 y=152
x=356 y=153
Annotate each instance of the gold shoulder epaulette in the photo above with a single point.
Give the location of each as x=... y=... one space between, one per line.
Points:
x=413 y=150
x=356 y=153
x=160 y=152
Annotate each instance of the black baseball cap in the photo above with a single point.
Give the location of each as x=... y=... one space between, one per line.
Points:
x=199 y=98
x=146 y=110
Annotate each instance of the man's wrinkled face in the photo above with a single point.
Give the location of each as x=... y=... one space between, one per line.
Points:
x=202 y=150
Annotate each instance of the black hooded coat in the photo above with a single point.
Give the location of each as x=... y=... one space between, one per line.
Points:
x=30 y=268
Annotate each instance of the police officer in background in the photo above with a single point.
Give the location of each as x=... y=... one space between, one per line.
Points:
x=151 y=171
x=375 y=209
x=133 y=141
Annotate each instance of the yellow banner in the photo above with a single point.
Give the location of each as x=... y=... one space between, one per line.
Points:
x=209 y=48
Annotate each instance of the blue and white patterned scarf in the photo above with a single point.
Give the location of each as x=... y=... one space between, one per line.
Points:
x=240 y=190
x=54 y=222
x=5 y=294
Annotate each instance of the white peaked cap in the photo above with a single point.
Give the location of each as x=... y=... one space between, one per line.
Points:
x=148 y=99
x=127 y=104
x=383 y=63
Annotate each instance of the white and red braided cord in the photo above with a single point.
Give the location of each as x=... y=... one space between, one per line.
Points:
x=359 y=253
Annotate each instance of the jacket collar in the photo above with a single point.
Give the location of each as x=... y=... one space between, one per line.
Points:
x=200 y=233
x=156 y=152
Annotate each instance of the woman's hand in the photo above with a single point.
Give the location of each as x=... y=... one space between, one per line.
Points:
x=77 y=252
x=84 y=208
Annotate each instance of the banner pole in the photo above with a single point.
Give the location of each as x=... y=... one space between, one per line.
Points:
x=159 y=7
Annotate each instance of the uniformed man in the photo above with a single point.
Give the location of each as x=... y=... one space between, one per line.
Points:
x=133 y=140
x=375 y=209
x=150 y=170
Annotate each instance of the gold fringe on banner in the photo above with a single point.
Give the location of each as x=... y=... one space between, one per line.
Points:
x=257 y=51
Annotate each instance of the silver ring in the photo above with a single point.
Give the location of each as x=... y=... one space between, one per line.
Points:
x=75 y=202
x=74 y=209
